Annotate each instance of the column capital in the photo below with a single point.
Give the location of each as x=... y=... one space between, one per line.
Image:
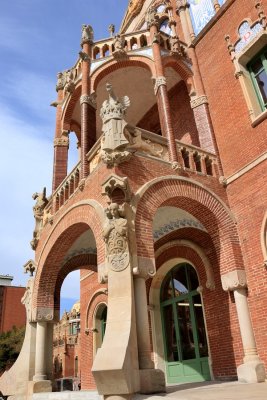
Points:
x=146 y=268
x=89 y=99
x=181 y=5
x=159 y=81
x=234 y=280
x=198 y=101
x=63 y=140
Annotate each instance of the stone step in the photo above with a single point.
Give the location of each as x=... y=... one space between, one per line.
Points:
x=68 y=395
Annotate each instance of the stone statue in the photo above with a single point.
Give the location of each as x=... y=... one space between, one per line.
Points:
x=116 y=238
x=151 y=17
x=38 y=211
x=114 y=142
x=111 y=29
x=175 y=45
x=119 y=44
x=87 y=34
x=60 y=81
x=27 y=299
x=69 y=81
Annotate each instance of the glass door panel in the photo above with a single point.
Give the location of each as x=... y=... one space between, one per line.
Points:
x=170 y=334
x=200 y=327
x=185 y=330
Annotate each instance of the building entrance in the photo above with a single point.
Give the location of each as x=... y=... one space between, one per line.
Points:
x=185 y=340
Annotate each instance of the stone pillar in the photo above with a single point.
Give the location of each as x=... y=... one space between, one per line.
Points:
x=40 y=358
x=161 y=89
x=252 y=370
x=87 y=41
x=151 y=380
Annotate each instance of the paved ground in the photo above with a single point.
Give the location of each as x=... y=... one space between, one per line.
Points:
x=212 y=391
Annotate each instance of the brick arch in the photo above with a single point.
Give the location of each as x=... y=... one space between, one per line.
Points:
x=69 y=107
x=81 y=261
x=202 y=204
x=114 y=65
x=218 y=309
x=183 y=70
x=72 y=224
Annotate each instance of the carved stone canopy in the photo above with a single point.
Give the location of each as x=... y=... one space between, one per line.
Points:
x=116 y=182
x=30 y=267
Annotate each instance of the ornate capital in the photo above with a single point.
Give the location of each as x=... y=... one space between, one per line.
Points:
x=234 y=280
x=89 y=99
x=181 y=5
x=44 y=314
x=198 y=101
x=87 y=34
x=63 y=140
x=159 y=81
x=146 y=268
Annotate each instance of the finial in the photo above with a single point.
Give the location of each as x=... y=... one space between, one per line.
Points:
x=111 y=29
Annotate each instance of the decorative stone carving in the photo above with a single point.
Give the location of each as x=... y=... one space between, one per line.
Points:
x=60 y=81
x=152 y=19
x=234 y=280
x=119 y=46
x=63 y=140
x=69 y=79
x=116 y=238
x=261 y=14
x=84 y=56
x=38 y=211
x=146 y=268
x=89 y=99
x=87 y=34
x=111 y=29
x=27 y=299
x=230 y=47
x=160 y=80
x=198 y=101
x=137 y=143
x=181 y=5
x=175 y=45
x=30 y=267
x=44 y=314
x=116 y=182
x=114 y=142
x=102 y=270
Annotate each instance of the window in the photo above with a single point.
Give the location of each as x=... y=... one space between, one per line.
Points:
x=258 y=71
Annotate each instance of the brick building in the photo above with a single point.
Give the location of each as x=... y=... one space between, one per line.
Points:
x=12 y=312
x=165 y=213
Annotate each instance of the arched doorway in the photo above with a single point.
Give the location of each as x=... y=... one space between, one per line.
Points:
x=184 y=332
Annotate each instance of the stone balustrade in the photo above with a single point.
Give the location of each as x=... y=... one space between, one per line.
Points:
x=145 y=143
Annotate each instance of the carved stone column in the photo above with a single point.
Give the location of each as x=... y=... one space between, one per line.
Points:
x=85 y=54
x=40 y=359
x=151 y=380
x=161 y=88
x=252 y=370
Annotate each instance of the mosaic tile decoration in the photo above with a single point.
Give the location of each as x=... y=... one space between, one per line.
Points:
x=201 y=13
x=177 y=224
x=246 y=34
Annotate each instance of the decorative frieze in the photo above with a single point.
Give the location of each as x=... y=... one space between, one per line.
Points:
x=234 y=280
x=198 y=101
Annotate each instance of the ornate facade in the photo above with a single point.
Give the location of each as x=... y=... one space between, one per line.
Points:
x=165 y=213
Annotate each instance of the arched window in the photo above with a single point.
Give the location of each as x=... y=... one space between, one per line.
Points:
x=184 y=331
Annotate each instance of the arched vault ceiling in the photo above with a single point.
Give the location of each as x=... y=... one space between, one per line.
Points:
x=137 y=84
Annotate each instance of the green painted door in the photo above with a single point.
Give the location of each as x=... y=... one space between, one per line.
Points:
x=185 y=341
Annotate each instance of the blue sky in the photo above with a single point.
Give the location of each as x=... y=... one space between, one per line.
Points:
x=38 y=38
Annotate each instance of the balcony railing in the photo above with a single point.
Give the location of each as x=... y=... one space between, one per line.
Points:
x=148 y=144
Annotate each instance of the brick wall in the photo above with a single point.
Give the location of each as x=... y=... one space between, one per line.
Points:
x=12 y=312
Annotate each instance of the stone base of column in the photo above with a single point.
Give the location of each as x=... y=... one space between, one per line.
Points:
x=39 y=387
x=251 y=372
x=118 y=397
x=152 y=381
